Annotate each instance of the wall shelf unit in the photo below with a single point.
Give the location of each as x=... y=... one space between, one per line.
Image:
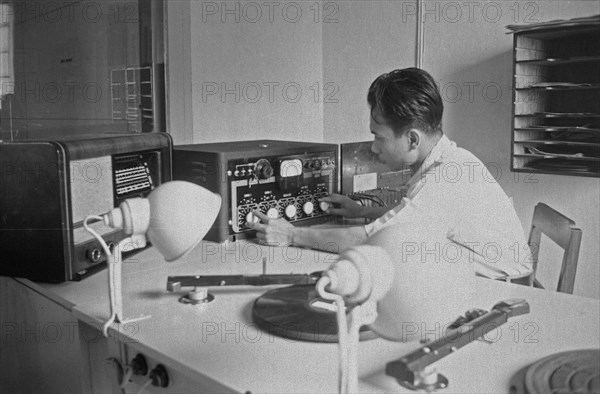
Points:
x=137 y=97
x=556 y=98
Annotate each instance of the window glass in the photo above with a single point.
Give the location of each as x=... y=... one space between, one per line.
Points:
x=82 y=67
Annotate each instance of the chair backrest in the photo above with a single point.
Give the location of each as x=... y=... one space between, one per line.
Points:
x=563 y=232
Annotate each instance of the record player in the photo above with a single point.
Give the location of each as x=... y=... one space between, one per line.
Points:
x=217 y=346
x=295 y=311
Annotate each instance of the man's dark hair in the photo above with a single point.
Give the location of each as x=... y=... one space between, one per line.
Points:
x=408 y=98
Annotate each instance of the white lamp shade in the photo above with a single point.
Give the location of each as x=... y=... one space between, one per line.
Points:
x=181 y=213
x=430 y=286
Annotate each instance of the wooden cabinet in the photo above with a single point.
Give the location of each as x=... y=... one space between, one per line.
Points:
x=40 y=341
x=556 y=98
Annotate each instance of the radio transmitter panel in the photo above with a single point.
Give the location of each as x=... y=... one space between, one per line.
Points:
x=49 y=187
x=281 y=179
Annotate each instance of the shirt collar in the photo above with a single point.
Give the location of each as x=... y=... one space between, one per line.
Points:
x=434 y=157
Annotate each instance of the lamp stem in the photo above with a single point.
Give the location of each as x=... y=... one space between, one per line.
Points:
x=115 y=274
x=114 y=285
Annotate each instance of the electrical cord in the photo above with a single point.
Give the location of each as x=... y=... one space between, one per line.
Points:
x=342 y=331
x=110 y=269
x=361 y=197
x=128 y=375
x=145 y=386
x=348 y=334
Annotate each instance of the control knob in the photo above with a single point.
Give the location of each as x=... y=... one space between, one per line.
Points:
x=93 y=255
x=273 y=213
x=290 y=211
x=308 y=207
x=251 y=218
x=263 y=169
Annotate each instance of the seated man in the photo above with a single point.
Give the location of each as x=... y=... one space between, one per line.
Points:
x=450 y=191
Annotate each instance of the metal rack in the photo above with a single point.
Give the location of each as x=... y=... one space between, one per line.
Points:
x=132 y=97
x=556 y=91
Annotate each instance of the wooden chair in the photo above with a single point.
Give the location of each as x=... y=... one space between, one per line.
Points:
x=563 y=232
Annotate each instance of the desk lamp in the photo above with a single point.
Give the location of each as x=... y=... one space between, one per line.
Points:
x=396 y=287
x=174 y=217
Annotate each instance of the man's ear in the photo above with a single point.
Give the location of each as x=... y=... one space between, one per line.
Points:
x=414 y=138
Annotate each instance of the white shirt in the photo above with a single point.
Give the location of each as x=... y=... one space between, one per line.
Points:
x=454 y=193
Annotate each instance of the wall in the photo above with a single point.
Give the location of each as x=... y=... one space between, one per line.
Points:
x=221 y=53
x=351 y=42
x=329 y=52
x=256 y=71
x=365 y=40
x=178 y=78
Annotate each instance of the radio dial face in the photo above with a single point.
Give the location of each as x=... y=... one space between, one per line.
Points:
x=308 y=207
x=263 y=169
x=290 y=211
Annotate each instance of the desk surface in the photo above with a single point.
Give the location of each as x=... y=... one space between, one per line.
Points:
x=218 y=343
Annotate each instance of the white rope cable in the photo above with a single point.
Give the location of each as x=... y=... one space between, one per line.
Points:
x=144 y=386
x=110 y=271
x=342 y=331
x=353 y=338
x=348 y=335
x=360 y=315
x=128 y=375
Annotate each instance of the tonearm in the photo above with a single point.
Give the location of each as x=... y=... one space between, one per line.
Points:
x=412 y=370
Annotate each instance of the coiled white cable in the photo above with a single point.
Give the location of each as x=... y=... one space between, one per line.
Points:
x=342 y=331
x=348 y=335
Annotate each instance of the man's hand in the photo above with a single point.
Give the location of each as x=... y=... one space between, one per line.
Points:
x=343 y=206
x=276 y=232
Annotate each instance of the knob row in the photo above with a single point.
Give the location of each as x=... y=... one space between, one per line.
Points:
x=290 y=211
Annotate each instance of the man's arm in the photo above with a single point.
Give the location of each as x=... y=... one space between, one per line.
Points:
x=281 y=232
x=331 y=239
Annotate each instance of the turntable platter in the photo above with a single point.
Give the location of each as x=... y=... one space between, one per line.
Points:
x=298 y=313
x=568 y=372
